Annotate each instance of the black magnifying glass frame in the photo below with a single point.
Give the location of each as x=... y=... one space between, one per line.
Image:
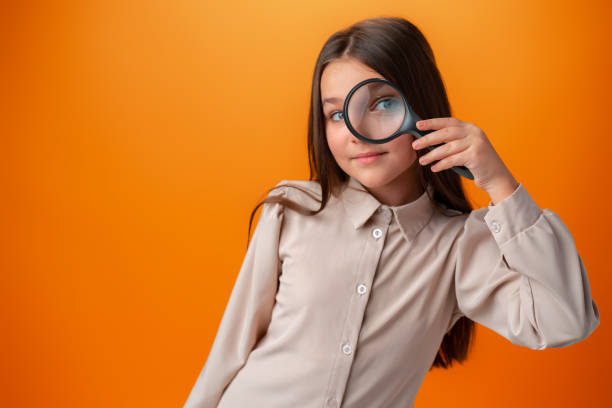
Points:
x=408 y=124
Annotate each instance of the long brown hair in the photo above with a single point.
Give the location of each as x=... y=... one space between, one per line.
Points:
x=397 y=50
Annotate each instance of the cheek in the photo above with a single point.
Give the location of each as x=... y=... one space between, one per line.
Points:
x=402 y=146
x=334 y=141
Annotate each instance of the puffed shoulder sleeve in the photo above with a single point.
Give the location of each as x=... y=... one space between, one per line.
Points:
x=517 y=272
x=248 y=311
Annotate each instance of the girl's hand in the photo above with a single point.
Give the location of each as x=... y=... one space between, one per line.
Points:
x=465 y=144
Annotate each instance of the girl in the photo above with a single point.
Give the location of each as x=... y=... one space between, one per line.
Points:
x=359 y=281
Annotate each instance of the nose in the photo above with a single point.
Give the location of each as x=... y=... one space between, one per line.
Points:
x=357 y=141
x=354 y=139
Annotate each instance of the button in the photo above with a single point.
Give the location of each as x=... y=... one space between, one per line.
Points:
x=377 y=233
x=361 y=289
x=332 y=402
x=347 y=349
x=496 y=227
x=385 y=214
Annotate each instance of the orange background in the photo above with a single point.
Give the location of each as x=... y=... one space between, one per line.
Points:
x=138 y=135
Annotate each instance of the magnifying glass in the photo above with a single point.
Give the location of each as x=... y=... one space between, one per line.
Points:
x=376 y=111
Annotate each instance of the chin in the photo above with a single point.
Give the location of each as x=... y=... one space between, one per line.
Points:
x=373 y=180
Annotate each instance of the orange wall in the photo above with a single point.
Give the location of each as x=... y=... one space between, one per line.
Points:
x=136 y=137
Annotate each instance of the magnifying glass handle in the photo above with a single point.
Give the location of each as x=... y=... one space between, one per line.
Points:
x=461 y=170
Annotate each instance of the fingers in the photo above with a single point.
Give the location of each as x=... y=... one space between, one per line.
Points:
x=449 y=137
x=444 y=151
x=457 y=159
x=439 y=136
x=438 y=123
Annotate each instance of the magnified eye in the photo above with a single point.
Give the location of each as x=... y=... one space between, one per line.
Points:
x=386 y=104
x=337 y=113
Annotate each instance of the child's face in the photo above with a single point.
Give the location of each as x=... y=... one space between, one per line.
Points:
x=389 y=171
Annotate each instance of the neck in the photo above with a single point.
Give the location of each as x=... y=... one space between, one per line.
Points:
x=402 y=190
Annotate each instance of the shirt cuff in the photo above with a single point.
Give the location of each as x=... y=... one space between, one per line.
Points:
x=512 y=215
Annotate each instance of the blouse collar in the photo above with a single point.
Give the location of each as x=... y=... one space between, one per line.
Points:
x=360 y=205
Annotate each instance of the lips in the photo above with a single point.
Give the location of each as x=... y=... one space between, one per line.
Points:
x=368 y=154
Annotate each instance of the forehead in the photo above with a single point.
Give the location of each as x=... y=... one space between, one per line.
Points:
x=340 y=75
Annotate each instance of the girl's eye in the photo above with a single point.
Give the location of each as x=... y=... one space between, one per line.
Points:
x=337 y=112
x=387 y=103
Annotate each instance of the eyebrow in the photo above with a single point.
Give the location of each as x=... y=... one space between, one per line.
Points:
x=331 y=100
x=373 y=86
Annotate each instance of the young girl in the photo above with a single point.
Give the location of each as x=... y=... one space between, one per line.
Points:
x=359 y=281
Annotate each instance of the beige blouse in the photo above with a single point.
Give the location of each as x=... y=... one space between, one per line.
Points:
x=348 y=308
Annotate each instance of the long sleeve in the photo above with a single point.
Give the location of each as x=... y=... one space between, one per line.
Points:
x=518 y=273
x=248 y=310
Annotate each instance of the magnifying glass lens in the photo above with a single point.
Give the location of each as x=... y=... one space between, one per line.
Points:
x=375 y=110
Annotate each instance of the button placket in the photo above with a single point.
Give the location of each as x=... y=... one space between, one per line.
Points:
x=377 y=227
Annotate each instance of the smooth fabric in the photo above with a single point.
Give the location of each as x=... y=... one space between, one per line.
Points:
x=347 y=308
